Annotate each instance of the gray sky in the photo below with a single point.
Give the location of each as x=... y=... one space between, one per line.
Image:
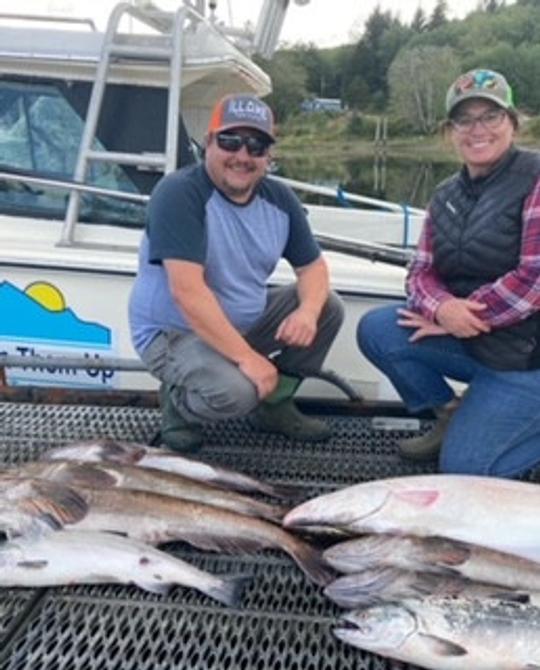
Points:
x=324 y=22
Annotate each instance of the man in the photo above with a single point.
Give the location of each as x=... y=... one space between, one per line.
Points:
x=201 y=316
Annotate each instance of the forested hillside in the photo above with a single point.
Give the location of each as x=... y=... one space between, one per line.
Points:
x=403 y=70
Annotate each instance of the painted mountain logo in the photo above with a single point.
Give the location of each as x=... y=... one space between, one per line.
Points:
x=36 y=321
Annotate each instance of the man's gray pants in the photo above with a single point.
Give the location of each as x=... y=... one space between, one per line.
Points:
x=206 y=386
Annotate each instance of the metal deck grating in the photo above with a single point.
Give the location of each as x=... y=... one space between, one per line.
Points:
x=283 y=622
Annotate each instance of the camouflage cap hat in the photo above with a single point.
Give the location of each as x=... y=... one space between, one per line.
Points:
x=242 y=111
x=485 y=84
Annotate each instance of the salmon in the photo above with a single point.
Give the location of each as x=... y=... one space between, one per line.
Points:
x=132 y=453
x=436 y=555
x=70 y=557
x=448 y=633
x=114 y=475
x=386 y=584
x=156 y=518
x=500 y=514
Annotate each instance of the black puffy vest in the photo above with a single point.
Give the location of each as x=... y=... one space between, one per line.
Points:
x=477 y=238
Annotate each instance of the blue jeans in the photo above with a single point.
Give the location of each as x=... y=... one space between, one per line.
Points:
x=496 y=429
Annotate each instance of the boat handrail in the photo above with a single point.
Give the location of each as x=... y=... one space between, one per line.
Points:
x=43 y=18
x=351 y=197
x=73 y=186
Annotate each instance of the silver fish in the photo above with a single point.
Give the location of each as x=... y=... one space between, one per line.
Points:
x=157 y=518
x=132 y=453
x=70 y=557
x=114 y=475
x=448 y=633
x=497 y=513
x=386 y=584
x=31 y=507
x=437 y=555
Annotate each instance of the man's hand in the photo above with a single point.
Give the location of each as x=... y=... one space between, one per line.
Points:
x=298 y=329
x=423 y=327
x=260 y=371
x=458 y=316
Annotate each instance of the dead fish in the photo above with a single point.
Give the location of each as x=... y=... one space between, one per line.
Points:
x=386 y=584
x=497 y=513
x=70 y=557
x=448 y=633
x=437 y=555
x=131 y=453
x=114 y=475
x=157 y=518
x=32 y=507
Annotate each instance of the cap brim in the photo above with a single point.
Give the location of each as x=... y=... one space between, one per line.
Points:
x=232 y=126
x=482 y=96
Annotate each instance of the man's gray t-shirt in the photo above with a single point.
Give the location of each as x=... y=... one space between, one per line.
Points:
x=238 y=245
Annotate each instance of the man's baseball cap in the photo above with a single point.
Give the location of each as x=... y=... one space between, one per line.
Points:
x=485 y=84
x=242 y=111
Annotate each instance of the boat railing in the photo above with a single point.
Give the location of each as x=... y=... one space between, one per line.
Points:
x=357 y=248
x=351 y=198
x=42 y=18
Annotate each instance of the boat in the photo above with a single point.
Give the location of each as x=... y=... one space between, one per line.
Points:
x=89 y=121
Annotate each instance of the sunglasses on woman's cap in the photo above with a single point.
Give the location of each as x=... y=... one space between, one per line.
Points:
x=256 y=146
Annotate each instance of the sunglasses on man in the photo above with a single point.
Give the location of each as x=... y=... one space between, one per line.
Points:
x=232 y=143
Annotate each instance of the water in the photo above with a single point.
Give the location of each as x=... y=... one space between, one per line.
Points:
x=405 y=180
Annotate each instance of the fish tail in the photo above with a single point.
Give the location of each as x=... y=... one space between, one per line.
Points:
x=281 y=491
x=311 y=562
x=273 y=513
x=229 y=590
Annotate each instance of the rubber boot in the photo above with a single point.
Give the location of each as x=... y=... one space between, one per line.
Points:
x=427 y=446
x=177 y=433
x=279 y=414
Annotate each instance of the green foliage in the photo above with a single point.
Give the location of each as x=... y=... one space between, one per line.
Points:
x=361 y=126
x=366 y=74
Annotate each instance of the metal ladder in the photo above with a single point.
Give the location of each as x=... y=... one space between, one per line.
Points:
x=171 y=25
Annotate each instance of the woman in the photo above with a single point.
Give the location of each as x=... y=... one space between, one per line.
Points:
x=473 y=297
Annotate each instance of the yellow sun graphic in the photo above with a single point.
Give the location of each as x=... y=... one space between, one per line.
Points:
x=47 y=295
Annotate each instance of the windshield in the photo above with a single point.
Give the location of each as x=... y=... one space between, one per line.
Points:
x=40 y=131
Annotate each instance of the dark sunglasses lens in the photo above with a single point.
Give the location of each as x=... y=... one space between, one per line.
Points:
x=255 y=146
x=229 y=142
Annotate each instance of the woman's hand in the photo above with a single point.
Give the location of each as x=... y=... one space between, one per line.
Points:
x=458 y=316
x=423 y=327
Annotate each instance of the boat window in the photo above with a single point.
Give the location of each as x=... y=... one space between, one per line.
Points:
x=41 y=125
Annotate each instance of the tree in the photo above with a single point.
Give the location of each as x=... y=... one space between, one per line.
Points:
x=372 y=55
x=288 y=84
x=418 y=80
x=439 y=15
x=419 y=21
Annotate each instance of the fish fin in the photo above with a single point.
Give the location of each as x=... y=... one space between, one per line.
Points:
x=230 y=545
x=53 y=503
x=447 y=553
x=273 y=513
x=90 y=475
x=311 y=562
x=230 y=590
x=281 y=491
x=442 y=647
x=419 y=498
x=154 y=587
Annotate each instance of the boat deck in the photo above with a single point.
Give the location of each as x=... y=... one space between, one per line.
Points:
x=284 y=622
